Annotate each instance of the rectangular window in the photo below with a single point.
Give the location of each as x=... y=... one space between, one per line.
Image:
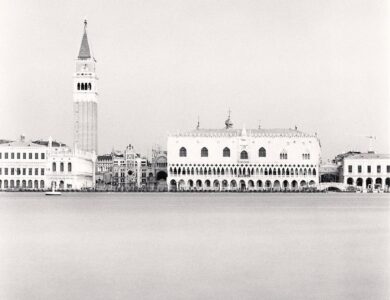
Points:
x=0 y=170
x=6 y=171
x=30 y=156
x=24 y=171
x=6 y=155
x=359 y=169
x=12 y=155
x=0 y=154
x=29 y=171
x=378 y=169
x=349 y=169
x=18 y=171
x=388 y=169
x=368 y=169
x=24 y=155
x=18 y=155
x=42 y=171
x=12 y=171
x=36 y=155
x=42 y=155
x=36 y=171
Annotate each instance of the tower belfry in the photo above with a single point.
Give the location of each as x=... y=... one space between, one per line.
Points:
x=85 y=98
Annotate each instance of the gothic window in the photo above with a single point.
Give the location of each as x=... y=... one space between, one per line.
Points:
x=283 y=155
x=262 y=152
x=204 y=152
x=183 y=152
x=89 y=86
x=244 y=155
x=226 y=152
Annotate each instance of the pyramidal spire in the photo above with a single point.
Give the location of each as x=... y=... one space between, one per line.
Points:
x=84 y=52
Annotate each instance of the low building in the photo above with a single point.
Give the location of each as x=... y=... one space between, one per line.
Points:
x=34 y=165
x=366 y=171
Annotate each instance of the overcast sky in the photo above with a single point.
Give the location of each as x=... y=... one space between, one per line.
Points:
x=320 y=65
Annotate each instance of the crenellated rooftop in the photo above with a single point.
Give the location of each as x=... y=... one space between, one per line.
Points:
x=230 y=132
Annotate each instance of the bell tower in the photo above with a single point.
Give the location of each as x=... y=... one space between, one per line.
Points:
x=85 y=98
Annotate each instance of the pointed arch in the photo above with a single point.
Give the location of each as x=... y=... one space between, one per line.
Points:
x=244 y=155
x=183 y=152
x=204 y=152
x=226 y=152
x=262 y=152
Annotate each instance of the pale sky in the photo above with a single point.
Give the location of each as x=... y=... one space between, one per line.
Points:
x=320 y=65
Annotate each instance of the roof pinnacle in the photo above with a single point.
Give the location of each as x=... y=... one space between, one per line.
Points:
x=228 y=122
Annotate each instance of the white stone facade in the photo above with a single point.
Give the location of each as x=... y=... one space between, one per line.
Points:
x=234 y=159
x=39 y=165
x=367 y=171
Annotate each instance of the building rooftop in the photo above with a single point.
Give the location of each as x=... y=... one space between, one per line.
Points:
x=46 y=143
x=227 y=132
x=369 y=156
x=22 y=142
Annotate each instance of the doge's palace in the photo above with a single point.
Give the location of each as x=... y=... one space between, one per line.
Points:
x=243 y=159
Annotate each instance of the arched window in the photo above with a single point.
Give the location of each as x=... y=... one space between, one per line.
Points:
x=54 y=167
x=62 y=167
x=283 y=154
x=262 y=152
x=89 y=86
x=244 y=155
x=82 y=86
x=183 y=152
x=204 y=152
x=78 y=86
x=69 y=167
x=226 y=152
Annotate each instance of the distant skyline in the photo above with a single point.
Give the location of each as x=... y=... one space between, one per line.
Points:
x=319 y=65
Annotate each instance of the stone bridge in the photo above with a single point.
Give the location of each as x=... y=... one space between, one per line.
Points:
x=332 y=185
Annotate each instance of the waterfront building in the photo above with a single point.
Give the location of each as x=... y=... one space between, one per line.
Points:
x=85 y=100
x=240 y=159
x=104 y=165
x=40 y=164
x=23 y=165
x=125 y=170
x=157 y=178
x=366 y=171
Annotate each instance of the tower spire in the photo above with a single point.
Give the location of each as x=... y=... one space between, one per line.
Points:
x=84 y=52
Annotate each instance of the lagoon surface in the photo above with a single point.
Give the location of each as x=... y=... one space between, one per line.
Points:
x=194 y=246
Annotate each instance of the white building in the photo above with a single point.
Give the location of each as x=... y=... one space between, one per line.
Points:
x=85 y=98
x=33 y=165
x=235 y=159
x=366 y=171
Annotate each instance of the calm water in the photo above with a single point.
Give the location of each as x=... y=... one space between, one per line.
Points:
x=194 y=246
